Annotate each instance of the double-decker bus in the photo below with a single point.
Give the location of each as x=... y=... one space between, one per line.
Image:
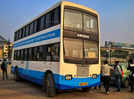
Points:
x=59 y=49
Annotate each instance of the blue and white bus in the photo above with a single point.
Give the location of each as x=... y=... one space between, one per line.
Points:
x=59 y=49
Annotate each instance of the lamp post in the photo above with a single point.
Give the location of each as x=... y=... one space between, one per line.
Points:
x=109 y=55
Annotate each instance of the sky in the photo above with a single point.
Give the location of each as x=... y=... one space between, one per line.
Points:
x=116 y=16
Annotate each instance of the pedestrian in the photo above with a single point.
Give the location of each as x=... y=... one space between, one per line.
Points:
x=106 y=76
x=118 y=75
x=131 y=75
x=4 y=69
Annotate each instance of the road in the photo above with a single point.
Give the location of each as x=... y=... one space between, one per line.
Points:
x=10 y=89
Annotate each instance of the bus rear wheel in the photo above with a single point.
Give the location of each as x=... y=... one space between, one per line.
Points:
x=49 y=85
x=16 y=75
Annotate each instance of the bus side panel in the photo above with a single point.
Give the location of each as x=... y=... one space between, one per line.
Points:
x=36 y=71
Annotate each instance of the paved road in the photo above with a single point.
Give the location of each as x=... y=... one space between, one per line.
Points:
x=9 y=89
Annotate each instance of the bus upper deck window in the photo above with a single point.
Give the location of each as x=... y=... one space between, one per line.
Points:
x=90 y=23
x=73 y=19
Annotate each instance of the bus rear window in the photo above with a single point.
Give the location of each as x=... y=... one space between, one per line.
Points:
x=73 y=48
x=90 y=49
x=90 y=23
x=80 y=21
x=72 y=19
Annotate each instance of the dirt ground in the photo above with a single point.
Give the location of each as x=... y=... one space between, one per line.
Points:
x=10 y=89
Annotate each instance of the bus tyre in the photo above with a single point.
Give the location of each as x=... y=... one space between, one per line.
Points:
x=16 y=75
x=50 y=86
x=85 y=89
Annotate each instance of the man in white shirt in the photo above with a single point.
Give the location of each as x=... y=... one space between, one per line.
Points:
x=106 y=75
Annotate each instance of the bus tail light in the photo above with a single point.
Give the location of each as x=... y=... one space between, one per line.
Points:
x=68 y=77
x=94 y=76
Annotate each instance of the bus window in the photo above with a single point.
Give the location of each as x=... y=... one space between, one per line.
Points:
x=34 y=54
x=31 y=28
x=19 y=34
x=26 y=54
x=15 y=36
x=49 y=56
x=90 y=23
x=27 y=30
x=55 y=51
x=35 y=26
x=43 y=52
x=38 y=24
x=24 y=31
x=23 y=54
x=42 y=22
x=52 y=17
x=48 y=20
x=15 y=54
x=57 y=16
x=90 y=49
x=73 y=48
x=36 y=51
x=30 y=54
x=72 y=19
x=19 y=54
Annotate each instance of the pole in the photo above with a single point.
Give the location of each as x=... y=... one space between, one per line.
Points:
x=107 y=55
x=110 y=56
x=110 y=52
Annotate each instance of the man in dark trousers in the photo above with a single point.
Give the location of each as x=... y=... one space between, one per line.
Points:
x=131 y=76
x=4 y=69
x=106 y=75
x=117 y=72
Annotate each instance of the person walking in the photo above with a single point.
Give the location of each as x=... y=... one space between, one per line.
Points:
x=118 y=73
x=4 y=69
x=106 y=76
x=131 y=75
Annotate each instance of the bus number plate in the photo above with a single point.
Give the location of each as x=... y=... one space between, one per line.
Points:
x=83 y=84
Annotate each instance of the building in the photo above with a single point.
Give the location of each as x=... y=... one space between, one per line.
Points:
x=116 y=51
x=5 y=48
x=3 y=41
x=10 y=48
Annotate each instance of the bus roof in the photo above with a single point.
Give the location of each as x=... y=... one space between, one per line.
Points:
x=56 y=5
x=79 y=6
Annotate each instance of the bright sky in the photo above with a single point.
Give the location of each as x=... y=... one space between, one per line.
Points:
x=116 y=16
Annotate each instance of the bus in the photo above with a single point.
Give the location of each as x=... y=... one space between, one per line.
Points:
x=59 y=49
